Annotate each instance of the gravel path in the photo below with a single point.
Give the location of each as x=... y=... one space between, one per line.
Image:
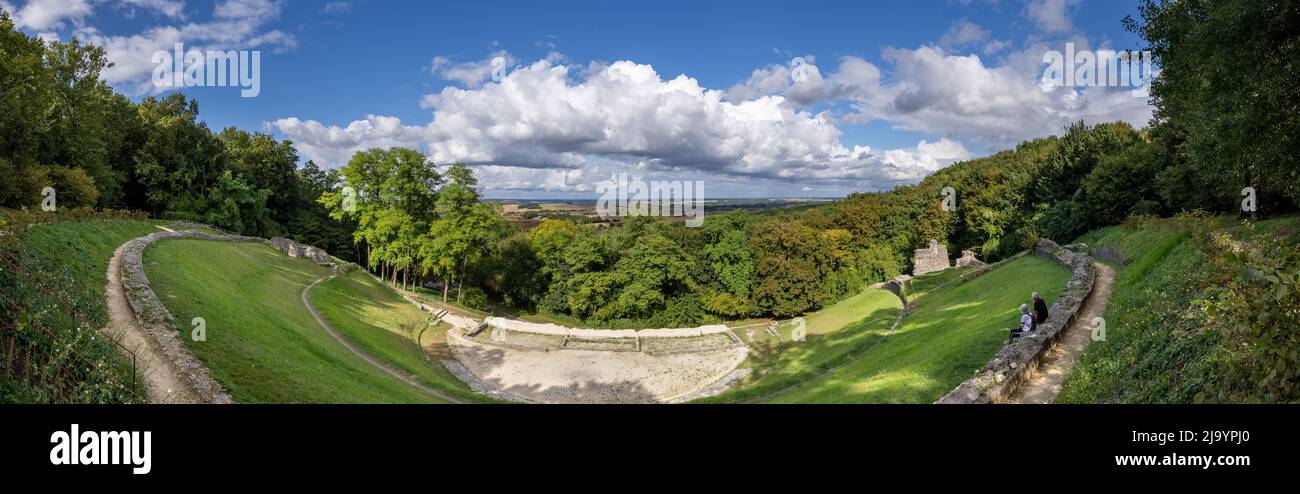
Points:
x=165 y=384
x=1045 y=382
x=370 y=360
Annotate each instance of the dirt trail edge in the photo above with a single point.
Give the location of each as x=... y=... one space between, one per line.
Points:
x=370 y=360
x=1045 y=382
x=165 y=384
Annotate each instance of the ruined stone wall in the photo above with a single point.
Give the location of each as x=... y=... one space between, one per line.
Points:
x=1111 y=254
x=968 y=259
x=998 y=379
x=295 y=249
x=515 y=333
x=930 y=259
x=158 y=323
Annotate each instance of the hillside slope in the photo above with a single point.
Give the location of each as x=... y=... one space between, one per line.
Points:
x=1161 y=346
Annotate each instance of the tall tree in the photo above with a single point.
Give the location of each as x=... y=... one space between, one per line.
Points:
x=392 y=194
x=1227 y=86
x=462 y=232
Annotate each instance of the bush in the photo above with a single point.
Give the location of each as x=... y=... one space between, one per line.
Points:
x=878 y=263
x=72 y=186
x=683 y=311
x=1258 y=309
x=474 y=298
x=725 y=304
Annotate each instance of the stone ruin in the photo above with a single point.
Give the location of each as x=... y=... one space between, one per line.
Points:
x=295 y=249
x=931 y=259
x=1111 y=254
x=968 y=259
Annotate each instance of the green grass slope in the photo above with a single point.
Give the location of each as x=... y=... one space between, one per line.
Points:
x=53 y=278
x=1159 y=347
x=371 y=315
x=951 y=333
x=262 y=344
x=834 y=335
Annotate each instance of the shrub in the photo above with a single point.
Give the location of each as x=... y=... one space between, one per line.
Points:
x=474 y=298
x=686 y=310
x=1063 y=221
x=725 y=304
x=1145 y=207
x=72 y=186
x=1258 y=308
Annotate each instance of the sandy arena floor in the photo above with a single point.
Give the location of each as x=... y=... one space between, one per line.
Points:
x=584 y=376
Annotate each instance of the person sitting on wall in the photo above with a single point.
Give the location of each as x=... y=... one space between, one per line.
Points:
x=1040 y=309
x=1026 y=324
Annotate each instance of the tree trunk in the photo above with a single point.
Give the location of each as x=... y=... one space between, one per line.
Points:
x=446 y=285
x=461 y=285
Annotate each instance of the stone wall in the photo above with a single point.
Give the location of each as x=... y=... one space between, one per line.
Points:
x=998 y=379
x=968 y=259
x=930 y=259
x=1109 y=253
x=157 y=321
x=295 y=249
x=520 y=334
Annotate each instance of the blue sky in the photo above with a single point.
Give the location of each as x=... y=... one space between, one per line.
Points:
x=896 y=90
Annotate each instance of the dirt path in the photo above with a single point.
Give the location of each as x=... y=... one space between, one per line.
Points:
x=370 y=360
x=164 y=384
x=1045 y=383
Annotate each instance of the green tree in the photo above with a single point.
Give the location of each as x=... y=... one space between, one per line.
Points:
x=391 y=194
x=180 y=159
x=266 y=163
x=234 y=205
x=792 y=262
x=462 y=232
x=1227 y=86
x=1121 y=182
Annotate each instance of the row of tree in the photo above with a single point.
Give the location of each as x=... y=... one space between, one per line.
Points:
x=61 y=126
x=414 y=221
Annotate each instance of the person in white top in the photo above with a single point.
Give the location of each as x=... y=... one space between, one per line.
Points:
x=1026 y=323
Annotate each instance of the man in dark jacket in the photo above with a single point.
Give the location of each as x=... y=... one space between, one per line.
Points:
x=1040 y=309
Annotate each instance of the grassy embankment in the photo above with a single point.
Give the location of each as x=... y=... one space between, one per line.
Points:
x=55 y=275
x=264 y=346
x=955 y=327
x=1159 y=347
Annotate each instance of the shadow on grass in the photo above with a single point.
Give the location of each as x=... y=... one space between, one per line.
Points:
x=780 y=365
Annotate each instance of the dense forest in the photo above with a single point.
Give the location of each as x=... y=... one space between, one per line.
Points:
x=1223 y=122
x=61 y=126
